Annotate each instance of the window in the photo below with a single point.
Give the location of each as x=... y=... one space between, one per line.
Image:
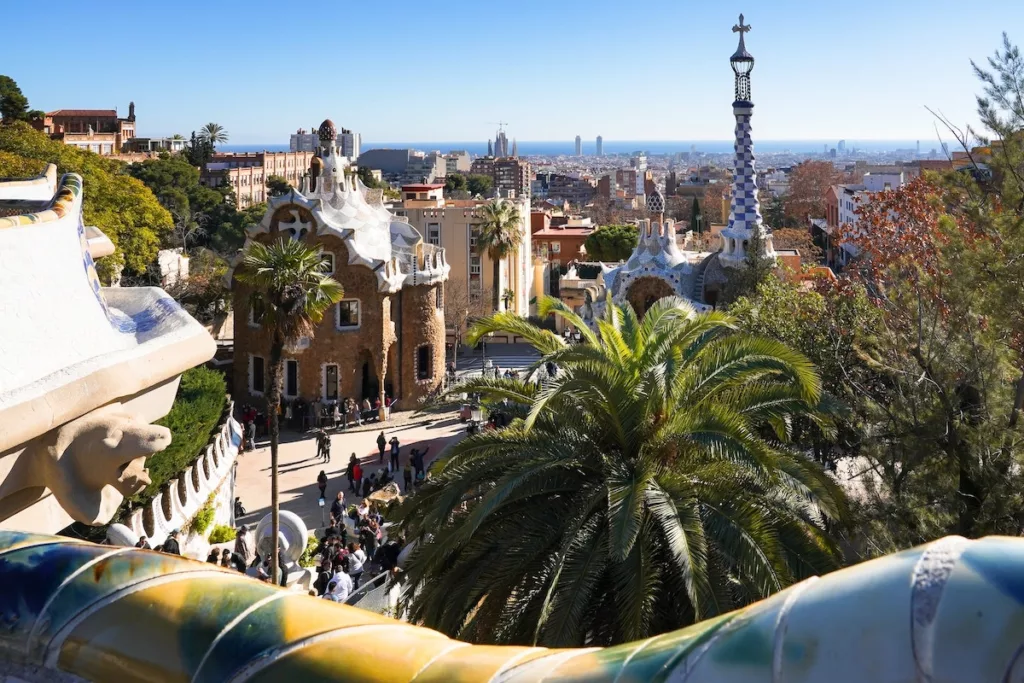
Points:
x=474 y=265
x=255 y=314
x=291 y=378
x=434 y=233
x=331 y=382
x=328 y=262
x=473 y=231
x=439 y=297
x=347 y=314
x=424 y=362
x=257 y=376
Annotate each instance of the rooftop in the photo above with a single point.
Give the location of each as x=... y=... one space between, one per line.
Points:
x=82 y=112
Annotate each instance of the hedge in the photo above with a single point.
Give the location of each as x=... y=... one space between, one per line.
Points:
x=197 y=410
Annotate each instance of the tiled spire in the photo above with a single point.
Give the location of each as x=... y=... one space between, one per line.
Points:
x=745 y=209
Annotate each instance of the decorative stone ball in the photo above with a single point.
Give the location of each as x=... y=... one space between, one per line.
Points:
x=292 y=528
x=120 y=535
x=327 y=131
x=655 y=203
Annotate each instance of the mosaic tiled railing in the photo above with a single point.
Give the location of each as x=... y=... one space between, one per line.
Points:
x=949 y=611
x=69 y=190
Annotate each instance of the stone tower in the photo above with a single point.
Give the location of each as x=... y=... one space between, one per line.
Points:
x=745 y=210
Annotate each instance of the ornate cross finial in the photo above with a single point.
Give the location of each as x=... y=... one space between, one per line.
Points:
x=741 y=28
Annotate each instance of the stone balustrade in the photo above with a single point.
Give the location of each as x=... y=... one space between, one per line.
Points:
x=182 y=497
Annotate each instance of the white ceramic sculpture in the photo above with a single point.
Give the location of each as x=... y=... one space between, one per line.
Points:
x=84 y=369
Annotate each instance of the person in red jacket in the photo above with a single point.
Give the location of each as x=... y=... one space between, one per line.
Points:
x=357 y=474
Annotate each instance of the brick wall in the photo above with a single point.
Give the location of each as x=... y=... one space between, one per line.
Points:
x=419 y=323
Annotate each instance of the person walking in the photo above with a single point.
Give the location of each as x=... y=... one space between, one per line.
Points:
x=381 y=443
x=338 y=510
x=356 y=559
x=350 y=472
x=327 y=448
x=357 y=474
x=244 y=545
x=171 y=545
x=395 y=449
x=250 y=430
x=407 y=477
x=321 y=482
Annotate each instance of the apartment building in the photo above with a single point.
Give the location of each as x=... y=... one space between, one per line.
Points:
x=247 y=172
x=453 y=225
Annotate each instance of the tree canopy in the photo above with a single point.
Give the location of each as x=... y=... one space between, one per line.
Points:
x=646 y=486
x=612 y=242
x=175 y=182
x=13 y=103
x=120 y=205
x=277 y=186
x=478 y=184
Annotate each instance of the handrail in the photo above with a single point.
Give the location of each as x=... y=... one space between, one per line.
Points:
x=953 y=609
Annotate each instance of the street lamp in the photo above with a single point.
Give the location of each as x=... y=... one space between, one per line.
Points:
x=321 y=502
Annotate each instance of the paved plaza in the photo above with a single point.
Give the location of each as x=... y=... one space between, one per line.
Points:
x=299 y=466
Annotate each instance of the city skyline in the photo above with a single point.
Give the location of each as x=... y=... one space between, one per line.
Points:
x=867 y=81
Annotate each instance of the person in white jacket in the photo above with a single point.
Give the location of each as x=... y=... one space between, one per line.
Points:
x=356 y=559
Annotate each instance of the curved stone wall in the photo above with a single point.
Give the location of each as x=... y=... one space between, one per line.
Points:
x=951 y=611
x=182 y=497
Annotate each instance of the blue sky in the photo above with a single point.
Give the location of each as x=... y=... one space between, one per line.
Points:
x=445 y=71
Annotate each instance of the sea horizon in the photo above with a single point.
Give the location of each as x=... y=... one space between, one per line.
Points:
x=625 y=147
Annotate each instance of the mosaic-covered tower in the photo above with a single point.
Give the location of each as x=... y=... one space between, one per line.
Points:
x=745 y=211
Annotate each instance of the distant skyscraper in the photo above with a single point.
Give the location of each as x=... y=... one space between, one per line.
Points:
x=579 y=146
x=515 y=148
x=490 y=149
x=600 y=146
x=918 y=148
x=841 y=147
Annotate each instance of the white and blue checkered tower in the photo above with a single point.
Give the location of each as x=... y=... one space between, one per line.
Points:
x=745 y=210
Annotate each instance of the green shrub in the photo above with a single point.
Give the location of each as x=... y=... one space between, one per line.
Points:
x=204 y=518
x=222 y=534
x=306 y=560
x=197 y=410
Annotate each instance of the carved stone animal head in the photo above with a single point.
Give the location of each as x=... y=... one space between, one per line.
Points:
x=99 y=459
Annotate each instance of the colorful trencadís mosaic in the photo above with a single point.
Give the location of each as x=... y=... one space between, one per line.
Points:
x=68 y=192
x=949 y=611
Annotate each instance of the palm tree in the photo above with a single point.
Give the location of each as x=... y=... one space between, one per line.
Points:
x=644 y=487
x=500 y=235
x=291 y=293
x=213 y=133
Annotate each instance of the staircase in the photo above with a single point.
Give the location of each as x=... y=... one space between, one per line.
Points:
x=698 y=287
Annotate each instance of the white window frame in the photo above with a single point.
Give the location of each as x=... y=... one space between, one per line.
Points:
x=337 y=316
x=434 y=234
x=324 y=255
x=323 y=381
x=284 y=379
x=252 y=317
x=475 y=268
x=252 y=374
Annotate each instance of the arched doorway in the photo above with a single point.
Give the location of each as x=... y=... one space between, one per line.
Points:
x=645 y=292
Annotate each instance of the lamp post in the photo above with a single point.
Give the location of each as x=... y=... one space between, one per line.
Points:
x=321 y=503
